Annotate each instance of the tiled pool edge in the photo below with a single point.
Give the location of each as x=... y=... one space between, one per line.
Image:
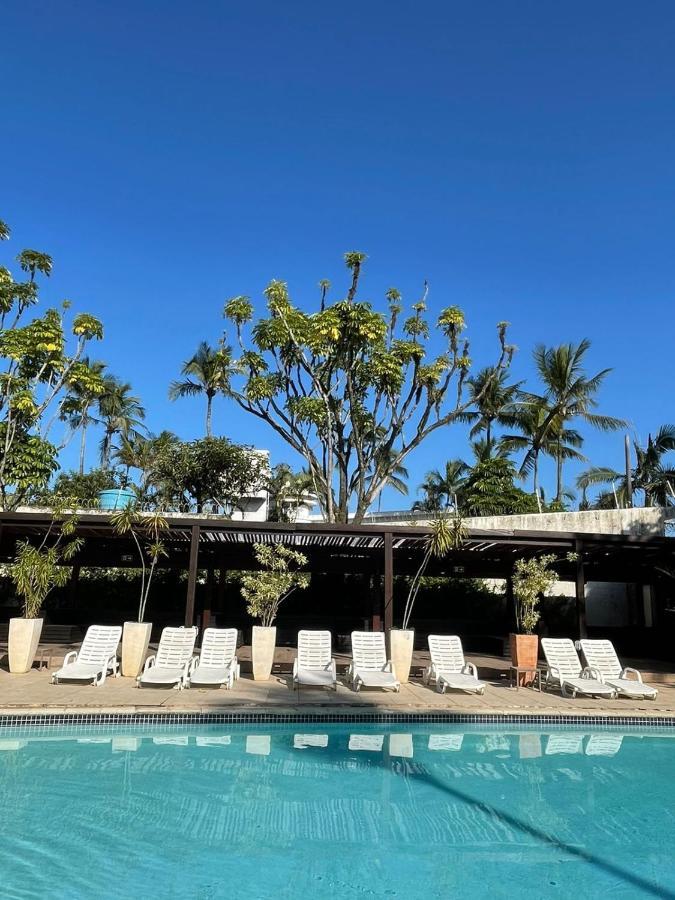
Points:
x=318 y=716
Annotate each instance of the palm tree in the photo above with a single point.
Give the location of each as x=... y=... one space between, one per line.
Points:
x=649 y=475
x=120 y=412
x=569 y=394
x=77 y=407
x=138 y=452
x=440 y=488
x=494 y=400
x=540 y=435
x=208 y=372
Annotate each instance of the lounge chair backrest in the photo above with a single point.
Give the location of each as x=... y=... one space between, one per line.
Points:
x=446 y=651
x=315 y=649
x=560 y=654
x=99 y=644
x=219 y=647
x=368 y=650
x=176 y=646
x=601 y=655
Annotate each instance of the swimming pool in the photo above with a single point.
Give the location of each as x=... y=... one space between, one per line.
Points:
x=349 y=811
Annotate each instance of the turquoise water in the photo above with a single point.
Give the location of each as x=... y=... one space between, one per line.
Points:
x=349 y=811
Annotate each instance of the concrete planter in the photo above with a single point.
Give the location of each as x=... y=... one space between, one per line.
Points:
x=24 y=637
x=525 y=652
x=135 y=640
x=401 y=649
x=262 y=651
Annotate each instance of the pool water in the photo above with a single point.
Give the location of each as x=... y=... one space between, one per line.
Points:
x=348 y=811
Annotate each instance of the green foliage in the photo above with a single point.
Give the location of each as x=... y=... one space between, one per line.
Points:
x=286 y=490
x=489 y=490
x=39 y=363
x=265 y=591
x=532 y=579
x=146 y=531
x=208 y=372
x=77 y=489
x=348 y=388
x=36 y=570
x=212 y=472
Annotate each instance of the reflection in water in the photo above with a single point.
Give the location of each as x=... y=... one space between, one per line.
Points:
x=337 y=810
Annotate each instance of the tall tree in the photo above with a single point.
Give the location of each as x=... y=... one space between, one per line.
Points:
x=494 y=399
x=397 y=479
x=39 y=363
x=76 y=408
x=441 y=487
x=287 y=490
x=652 y=475
x=208 y=372
x=120 y=412
x=569 y=394
x=330 y=382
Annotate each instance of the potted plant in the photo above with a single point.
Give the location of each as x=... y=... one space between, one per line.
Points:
x=532 y=579
x=146 y=531
x=35 y=571
x=447 y=532
x=264 y=592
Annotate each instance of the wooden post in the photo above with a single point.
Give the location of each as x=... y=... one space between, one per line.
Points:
x=580 y=591
x=192 y=577
x=220 y=590
x=208 y=602
x=388 y=581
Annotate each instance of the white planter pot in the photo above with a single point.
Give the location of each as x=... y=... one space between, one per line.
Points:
x=24 y=637
x=401 y=650
x=135 y=640
x=262 y=651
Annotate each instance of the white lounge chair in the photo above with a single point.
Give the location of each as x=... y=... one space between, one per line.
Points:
x=601 y=656
x=448 y=667
x=566 y=672
x=370 y=666
x=314 y=665
x=96 y=657
x=170 y=665
x=217 y=661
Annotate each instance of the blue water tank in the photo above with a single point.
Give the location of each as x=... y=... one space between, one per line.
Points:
x=118 y=498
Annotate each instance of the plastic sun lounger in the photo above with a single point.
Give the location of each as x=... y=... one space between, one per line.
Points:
x=170 y=665
x=96 y=657
x=314 y=665
x=217 y=663
x=370 y=666
x=601 y=656
x=448 y=667
x=565 y=671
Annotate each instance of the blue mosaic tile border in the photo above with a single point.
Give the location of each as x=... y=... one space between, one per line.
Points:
x=272 y=718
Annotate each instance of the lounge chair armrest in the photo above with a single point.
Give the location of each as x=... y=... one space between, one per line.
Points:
x=590 y=672
x=627 y=669
x=470 y=669
x=333 y=669
x=71 y=656
x=555 y=672
x=150 y=661
x=389 y=667
x=193 y=663
x=295 y=667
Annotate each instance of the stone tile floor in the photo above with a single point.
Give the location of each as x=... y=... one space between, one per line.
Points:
x=33 y=691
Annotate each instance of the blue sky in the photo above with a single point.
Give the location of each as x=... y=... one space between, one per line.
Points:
x=518 y=156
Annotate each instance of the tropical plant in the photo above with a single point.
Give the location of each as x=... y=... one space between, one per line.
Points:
x=76 y=489
x=76 y=408
x=397 y=479
x=120 y=412
x=265 y=591
x=287 y=490
x=532 y=579
x=569 y=394
x=494 y=400
x=651 y=474
x=39 y=364
x=490 y=490
x=37 y=569
x=347 y=385
x=211 y=472
x=446 y=532
x=146 y=530
x=208 y=372
x=441 y=488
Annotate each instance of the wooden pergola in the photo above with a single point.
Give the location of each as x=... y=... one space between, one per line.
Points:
x=216 y=543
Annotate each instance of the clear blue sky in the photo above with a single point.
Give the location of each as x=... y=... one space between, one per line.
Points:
x=517 y=155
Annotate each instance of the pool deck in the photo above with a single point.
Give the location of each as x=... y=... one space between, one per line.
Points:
x=33 y=693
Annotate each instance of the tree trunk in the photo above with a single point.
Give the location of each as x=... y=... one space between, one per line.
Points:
x=559 y=469
x=83 y=441
x=535 y=480
x=209 y=402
